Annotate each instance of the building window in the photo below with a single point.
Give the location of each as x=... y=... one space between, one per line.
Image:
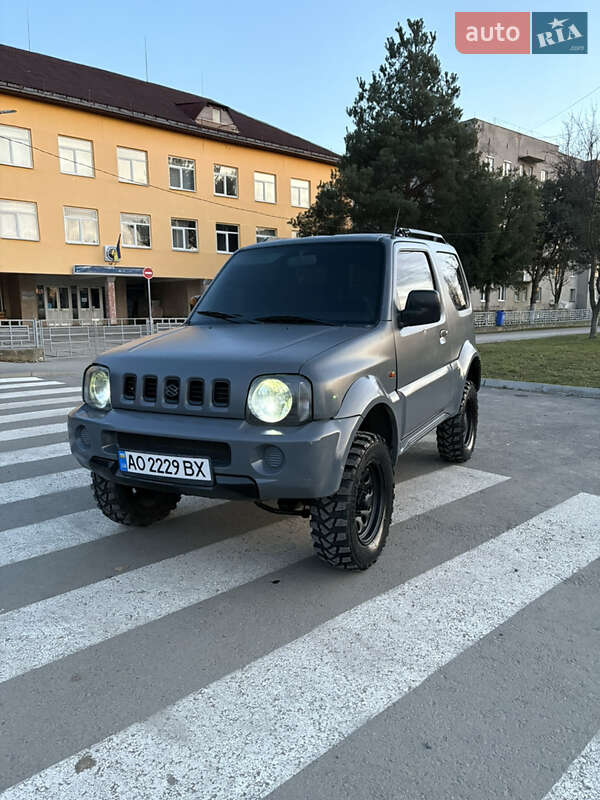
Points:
x=15 y=146
x=81 y=225
x=489 y=162
x=214 y=116
x=135 y=230
x=228 y=238
x=506 y=167
x=300 y=193
x=265 y=234
x=517 y=295
x=521 y=170
x=182 y=173
x=543 y=175
x=538 y=295
x=132 y=165
x=482 y=296
x=184 y=234
x=572 y=295
x=18 y=220
x=501 y=294
x=75 y=156
x=226 y=181
x=264 y=187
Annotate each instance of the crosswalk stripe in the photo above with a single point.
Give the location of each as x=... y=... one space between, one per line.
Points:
x=75 y=398
x=27 y=433
x=6 y=419
x=7 y=386
x=36 y=392
x=24 y=379
x=276 y=715
x=426 y=492
x=97 y=612
x=71 y=530
x=26 y=489
x=582 y=779
x=34 y=454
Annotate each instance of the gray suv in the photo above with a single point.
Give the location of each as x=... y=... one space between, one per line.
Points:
x=303 y=372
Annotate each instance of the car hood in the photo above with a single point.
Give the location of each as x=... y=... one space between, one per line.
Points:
x=231 y=352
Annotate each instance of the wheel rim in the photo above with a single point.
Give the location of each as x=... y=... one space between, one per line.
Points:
x=369 y=505
x=468 y=427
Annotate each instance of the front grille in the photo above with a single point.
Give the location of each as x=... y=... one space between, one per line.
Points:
x=196 y=392
x=171 y=390
x=129 y=386
x=221 y=393
x=150 y=387
x=218 y=452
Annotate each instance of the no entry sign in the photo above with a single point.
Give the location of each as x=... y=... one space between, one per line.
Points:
x=148 y=273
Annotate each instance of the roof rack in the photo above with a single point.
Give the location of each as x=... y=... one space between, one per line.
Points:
x=415 y=233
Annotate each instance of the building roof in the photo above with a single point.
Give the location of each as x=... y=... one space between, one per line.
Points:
x=53 y=80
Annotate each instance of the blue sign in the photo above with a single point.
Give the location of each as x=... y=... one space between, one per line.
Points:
x=82 y=269
x=555 y=32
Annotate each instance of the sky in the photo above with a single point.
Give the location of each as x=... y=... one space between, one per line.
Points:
x=295 y=65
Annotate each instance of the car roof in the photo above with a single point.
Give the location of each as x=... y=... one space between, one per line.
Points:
x=359 y=237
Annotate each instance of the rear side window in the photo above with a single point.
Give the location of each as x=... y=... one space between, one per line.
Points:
x=454 y=279
x=412 y=272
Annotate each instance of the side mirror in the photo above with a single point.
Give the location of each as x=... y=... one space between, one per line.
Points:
x=423 y=307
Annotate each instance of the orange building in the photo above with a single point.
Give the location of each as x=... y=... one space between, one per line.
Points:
x=89 y=155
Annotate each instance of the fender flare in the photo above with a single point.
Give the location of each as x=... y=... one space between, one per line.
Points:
x=362 y=397
x=470 y=362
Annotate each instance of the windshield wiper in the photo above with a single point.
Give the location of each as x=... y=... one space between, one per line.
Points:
x=293 y=319
x=225 y=315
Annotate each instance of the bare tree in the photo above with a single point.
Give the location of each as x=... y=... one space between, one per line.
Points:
x=579 y=169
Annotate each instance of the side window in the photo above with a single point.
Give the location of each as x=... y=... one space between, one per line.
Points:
x=412 y=272
x=454 y=279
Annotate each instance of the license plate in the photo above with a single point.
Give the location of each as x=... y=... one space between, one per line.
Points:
x=188 y=468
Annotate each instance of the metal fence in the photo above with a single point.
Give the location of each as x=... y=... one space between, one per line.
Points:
x=78 y=338
x=546 y=317
x=82 y=338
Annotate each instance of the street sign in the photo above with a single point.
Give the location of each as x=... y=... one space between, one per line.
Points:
x=148 y=273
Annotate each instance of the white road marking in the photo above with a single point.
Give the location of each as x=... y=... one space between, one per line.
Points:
x=426 y=492
x=41 y=538
x=276 y=715
x=34 y=454
x=582 y=779
x=6 y=387
x=6 y=419
x=58 y=626
x=75 y=399
x=28 y=488
x=36 y=392
x=27 y=433
x=24 y=379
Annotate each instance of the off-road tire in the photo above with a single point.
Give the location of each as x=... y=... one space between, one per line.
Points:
x=129 y=506
x=334 y=524
x=456 y=436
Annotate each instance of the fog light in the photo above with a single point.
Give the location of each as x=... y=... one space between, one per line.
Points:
x=83 y=437
x=273 y=457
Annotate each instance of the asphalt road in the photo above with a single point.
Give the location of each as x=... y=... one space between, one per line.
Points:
x=212 y=656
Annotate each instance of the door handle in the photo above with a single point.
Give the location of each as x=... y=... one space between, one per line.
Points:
x=443 y=334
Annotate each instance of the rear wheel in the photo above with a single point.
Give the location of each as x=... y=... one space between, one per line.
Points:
x=130 y=506
x=456 y=436
x=349 y=529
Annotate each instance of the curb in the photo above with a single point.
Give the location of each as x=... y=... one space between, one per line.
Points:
x=542 y=388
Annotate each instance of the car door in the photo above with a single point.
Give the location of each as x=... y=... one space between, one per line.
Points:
x=422 y=354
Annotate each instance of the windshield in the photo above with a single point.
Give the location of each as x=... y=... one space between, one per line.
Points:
x=334 y=283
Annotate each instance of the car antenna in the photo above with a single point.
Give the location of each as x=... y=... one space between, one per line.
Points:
x=395 y=231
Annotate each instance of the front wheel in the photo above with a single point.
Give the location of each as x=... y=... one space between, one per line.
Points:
x=456 y=436
x=130 y=506
x=349 y=528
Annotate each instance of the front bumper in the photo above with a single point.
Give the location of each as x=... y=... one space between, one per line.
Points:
x=248 y=461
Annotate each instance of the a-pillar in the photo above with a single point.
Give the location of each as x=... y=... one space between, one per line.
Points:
x=111 y=301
